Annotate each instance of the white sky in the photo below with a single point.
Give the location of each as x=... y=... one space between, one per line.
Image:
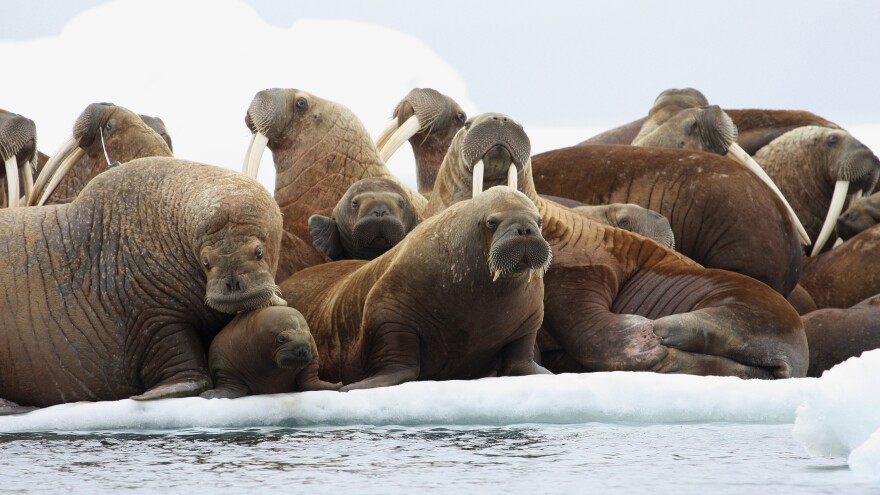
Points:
x=199 y=72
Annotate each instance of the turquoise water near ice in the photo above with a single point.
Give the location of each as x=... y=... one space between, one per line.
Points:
x=593 y=457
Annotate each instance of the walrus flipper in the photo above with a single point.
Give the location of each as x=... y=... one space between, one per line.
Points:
x=7 y=407
x=519 y=358
x=395 y=358
x=325 y=236
x=228 y=386
x=187 y=388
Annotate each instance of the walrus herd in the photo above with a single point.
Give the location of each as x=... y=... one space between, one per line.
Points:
x=694 y=240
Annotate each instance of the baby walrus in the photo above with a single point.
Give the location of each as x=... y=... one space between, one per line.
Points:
x=265 y=351
x=371 y=218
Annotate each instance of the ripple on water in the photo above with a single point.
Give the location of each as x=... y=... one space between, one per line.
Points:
x=716 y=458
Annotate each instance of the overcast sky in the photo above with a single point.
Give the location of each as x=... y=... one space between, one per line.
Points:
x=550 y=64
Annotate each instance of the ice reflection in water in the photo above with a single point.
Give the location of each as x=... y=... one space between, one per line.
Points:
x=716 y=458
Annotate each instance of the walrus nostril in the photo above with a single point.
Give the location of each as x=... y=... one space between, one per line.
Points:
x=304 y=352
x=233 y=284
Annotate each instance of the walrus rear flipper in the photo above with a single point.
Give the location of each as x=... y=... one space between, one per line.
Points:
x=325 y=236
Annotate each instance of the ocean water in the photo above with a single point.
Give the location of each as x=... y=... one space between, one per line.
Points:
x=599 y=458
x=597 y=433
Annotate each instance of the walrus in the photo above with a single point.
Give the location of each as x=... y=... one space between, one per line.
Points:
x=617 y=301
x=818 y=169
x=18 y=148
x=642 y=176
x=371 y=218
x=836 y=334
x=158 y=125
x=320 y=148
x=119 y=293
x=427 y=119
x=862 y=214
x=633 y=218
x=264 y=351
x=458 y=298
x=845 y=275
x=667 y=105
x=103 y=133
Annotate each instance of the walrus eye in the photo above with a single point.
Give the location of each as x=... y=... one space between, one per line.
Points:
x=301 y=103
x=280 y=339
x=460 y=117
x=205 y=262
x=467 y=125
x=400 y=203
x=259 y=252
x=540 y=222
x=354 y=204
x=108 y=126
x=831 y=139
x=492 y=224
x=624 y=223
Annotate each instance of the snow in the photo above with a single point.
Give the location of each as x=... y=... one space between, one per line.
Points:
x=841 y=418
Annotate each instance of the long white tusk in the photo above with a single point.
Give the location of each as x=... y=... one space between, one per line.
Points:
x=254 y=154
x=511 y=176
x=398 y=137
x=65 y=167
x=12 y=181
x=740 y=155
x=386 y=133
x=50 y=168
x=841 y=187
x=478 y=178
x=28 y=180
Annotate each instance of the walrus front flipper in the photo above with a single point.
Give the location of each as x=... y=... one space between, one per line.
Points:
x=395 y=358
x=171 y=390
x=325 y=236
x=228 y=386
x=519 y=358
x=307 y=379
x=7 y=407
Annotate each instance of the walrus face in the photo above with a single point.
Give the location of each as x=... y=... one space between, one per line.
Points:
x=493 y=146
x=287 y=335
x=18 y=148
x=634 y=218
x=706 y=128
x=863 y=214
x=514 y=242
x=374 y=215
x=239 y=278
x=421 y=114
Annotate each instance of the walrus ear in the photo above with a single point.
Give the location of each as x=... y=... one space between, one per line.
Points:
x=325 y=236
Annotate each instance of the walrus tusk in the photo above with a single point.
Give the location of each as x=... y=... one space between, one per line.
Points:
x=511 y=177
x=740 y=155
x=397 y=137
x=837 y=200
x=254 y=154
x=386 y=133
x=28 y=180
x=63 y=169
x=12 y=181
x=50 y=168
x=277 y=301
x=478 y=178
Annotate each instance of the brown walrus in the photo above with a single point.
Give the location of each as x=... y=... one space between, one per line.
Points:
x=667 y=105
x=18 y=148
x=371 y=218
x=818 y=169
x=847 y=274
x=118 y=293
x=264 y=351
x=320 y=149
x=862 y=214
x=617 y=301
x=102 y=133
x=459 y=297
x=836 y=335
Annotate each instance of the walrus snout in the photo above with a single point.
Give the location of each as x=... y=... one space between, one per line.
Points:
x=379 y=229
x=294 y=355
x=851 y=223
x=240 y=281
x=495 y=137
x=717 y=129
x=518 y=247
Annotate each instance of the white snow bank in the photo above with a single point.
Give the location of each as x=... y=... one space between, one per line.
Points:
x=842 y=415
x=620 y=397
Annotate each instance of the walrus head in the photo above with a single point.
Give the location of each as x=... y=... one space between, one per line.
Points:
x=511 y=229
x=862 y=214
x=634 y=218
x=106 y=133
x=286 y=334
x=158 y=125
x=493 y=146
x=237 y=248
x=427 y=119
x=18 y=148
x=705 y=128
x=371 y=218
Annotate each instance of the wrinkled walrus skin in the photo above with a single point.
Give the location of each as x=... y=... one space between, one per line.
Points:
x=429 y=309
x=104 y=297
